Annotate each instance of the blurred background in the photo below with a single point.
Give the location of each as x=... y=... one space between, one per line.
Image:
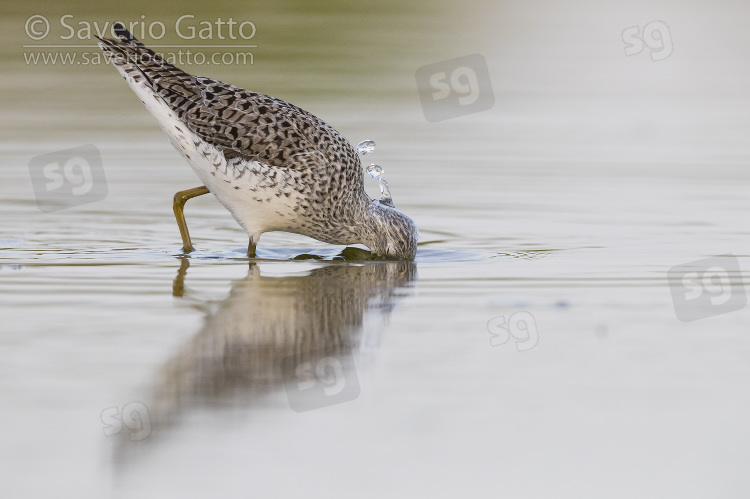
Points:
x=559 y=71
x=608 y=145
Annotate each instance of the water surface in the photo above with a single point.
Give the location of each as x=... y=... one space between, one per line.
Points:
x=591 y=176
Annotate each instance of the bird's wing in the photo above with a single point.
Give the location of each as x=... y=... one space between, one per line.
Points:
x=252 y=125
x=243 y=123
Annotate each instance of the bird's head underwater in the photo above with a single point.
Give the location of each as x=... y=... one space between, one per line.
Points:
x=392 y=234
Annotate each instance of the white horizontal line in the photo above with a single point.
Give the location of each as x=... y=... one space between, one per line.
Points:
x=162 y=46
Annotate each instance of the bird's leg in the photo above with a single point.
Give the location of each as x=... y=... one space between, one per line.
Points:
x=179 y=204
x=251 y=247
x=178 y=286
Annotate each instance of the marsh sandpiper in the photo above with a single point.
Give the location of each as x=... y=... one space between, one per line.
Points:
x=274 y=166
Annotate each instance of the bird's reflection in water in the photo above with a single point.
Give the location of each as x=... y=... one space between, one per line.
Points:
x=293 y=327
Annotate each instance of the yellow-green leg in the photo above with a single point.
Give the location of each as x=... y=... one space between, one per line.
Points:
x=179 y=204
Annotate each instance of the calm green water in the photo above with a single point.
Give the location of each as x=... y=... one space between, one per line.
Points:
x=534 y=349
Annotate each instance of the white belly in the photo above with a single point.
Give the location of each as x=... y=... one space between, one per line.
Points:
x=241 y=187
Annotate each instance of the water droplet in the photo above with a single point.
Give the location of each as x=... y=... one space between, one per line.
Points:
x=366 y=147
x=385 y=193
x=375 y=171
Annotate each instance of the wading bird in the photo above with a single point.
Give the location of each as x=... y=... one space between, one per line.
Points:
x=274 y=166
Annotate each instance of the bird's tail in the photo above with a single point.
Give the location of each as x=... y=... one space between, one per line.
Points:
x=135 y=60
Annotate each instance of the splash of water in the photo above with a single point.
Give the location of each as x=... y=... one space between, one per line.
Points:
x=376 y=171
x=366 y=147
